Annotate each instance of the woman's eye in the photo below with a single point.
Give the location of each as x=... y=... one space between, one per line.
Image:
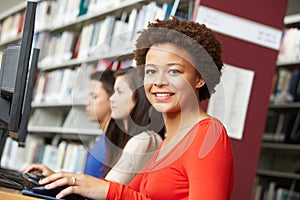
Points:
x=150 y=71
x=119 y=91
x=174 y=71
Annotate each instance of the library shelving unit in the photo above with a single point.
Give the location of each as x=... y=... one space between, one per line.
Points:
x=279 y=163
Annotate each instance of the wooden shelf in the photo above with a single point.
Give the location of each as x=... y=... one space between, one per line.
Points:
x=292 y=105
x=56 y=104
x=14 y=40
x=19 y=7
x=289 y=65
x=278 y=174
x=77 y=62
x=280 y=146
x=292 y=20
x=61 y=130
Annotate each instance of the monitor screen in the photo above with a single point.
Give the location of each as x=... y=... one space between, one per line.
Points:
x=17 y=74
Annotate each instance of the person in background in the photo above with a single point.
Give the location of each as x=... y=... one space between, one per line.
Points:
x=133 y=114
x=180 y=62
x=97 y=109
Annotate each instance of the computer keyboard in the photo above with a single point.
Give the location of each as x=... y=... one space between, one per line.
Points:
x=11 y=179
x=10 y=171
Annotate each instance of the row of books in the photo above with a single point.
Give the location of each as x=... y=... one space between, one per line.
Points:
x=286 y=86
x=56 y=48
x=70 y=85
x=11 y=27
x=290 y=46
x=61 y=12
x=111 y=35
x=282 y=126
x=65 y=156
x=61 y=84
x=271 y=192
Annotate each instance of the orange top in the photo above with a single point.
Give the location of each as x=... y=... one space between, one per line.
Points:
x=200 y=166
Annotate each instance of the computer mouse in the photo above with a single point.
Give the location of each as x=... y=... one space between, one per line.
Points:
x=53 y=192
x=31 y=180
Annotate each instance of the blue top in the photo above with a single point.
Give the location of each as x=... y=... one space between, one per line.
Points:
x=94 y=162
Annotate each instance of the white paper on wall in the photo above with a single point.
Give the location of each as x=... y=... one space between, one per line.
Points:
x=229 y=103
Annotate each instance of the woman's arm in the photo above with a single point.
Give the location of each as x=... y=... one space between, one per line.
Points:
x=210 y=168
x=90 y=187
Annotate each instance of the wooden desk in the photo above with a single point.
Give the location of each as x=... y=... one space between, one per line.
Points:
x=11 y=194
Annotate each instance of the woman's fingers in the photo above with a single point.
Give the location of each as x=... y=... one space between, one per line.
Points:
x=33 y=167
x=61 y=179
x=67 y=191
x=81 y=184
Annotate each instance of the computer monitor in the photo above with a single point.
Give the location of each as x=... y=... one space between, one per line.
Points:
x=17 y=81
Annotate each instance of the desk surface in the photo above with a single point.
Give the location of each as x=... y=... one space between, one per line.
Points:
x=11 y=194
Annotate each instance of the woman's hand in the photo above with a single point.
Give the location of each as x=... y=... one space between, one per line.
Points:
x=82 y=184
x=38 y=168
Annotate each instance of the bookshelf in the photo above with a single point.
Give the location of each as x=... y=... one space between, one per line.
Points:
x=279 y=164
x=75 y=40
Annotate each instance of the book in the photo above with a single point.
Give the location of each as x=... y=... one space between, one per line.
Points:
x=12 y=156
x=50 y=156
x=258 y=192
x=39 y=88
x=270 y=195
x=44 y=13
x=289 y=48
x=105 y=36
x=294 y=136
x=76 y=46
x=284 y=194
x=284 y=77
x=82 y=77
x=86 y=35
x=83 y=7
x=60 y=155
x=70 y=157
x=32 y=145
x=67 y=85
x=104 y=64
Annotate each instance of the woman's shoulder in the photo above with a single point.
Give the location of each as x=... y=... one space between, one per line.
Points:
x=208 y=135
x=146 y=135
x=208 y=130
x=144 y=142
x=211 y=122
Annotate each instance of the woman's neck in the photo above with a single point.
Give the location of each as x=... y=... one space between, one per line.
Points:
x=182 y=122
x=104 y=123
x=125 y=123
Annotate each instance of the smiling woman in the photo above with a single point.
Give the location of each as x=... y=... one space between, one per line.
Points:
x=171 y=79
